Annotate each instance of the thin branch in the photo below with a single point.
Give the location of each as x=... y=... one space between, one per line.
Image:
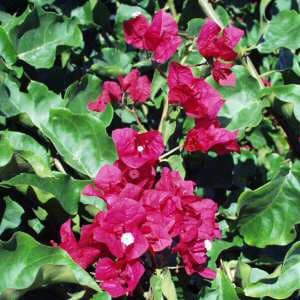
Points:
x=210 y=12
x=169 y=152
x=164 y=114
x=140 y=124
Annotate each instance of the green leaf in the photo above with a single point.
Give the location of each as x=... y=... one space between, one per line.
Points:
x=38 y=46
x=283 y=31
x=12 y=215
x=167 y=285
x=7 y=50
x=26 y=264
x=267 y=215
x=113 y=63
x=6 y=152
x=288 y=93
x=26 y=147
x=82 y=140
x=218 y=246
x=60 y=186
x=176 y=164
x=285 y=284
x=158 y=82
x=80 y=93
x=243 y=106
x=224 y=287
x=194 y=26
x=155 y=287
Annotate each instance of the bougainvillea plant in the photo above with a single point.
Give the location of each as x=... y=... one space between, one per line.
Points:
x=149 y=149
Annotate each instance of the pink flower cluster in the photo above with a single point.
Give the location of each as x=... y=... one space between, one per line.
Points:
x=215 y=42
x=160 y=37
x=202 y=102
x=144 y=215
x=137 y=87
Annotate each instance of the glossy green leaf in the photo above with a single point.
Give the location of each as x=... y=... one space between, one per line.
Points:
x=283 y=31
x=37 y=46
x=155 y=288
x=27 y=264
x=82 y=140
x=80 y=93
x=7 y=50
x=267 y=215
x=60 y=186
x=42 y=2
x=12 y=215
x=6 y=152
x=243 y=106
x=28 y=148
x=176 y=164
x=283 y=286
x=167 y=285
x=113 y=63
x=224 y=287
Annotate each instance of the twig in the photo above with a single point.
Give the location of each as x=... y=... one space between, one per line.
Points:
x=140 y=124
x=170 y=152
x=164 y=114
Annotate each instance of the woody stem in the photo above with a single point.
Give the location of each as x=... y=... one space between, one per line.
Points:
x=164 y=115
x=170 y=152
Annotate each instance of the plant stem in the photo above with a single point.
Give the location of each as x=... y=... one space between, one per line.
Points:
x=172 y=7
x=170 y=152
x=209 y=11
x=164 y=115
x=140 y=124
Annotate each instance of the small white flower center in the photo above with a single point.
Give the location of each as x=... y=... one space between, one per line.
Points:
x=140 y=148
x=127 y=238
x=207 y=244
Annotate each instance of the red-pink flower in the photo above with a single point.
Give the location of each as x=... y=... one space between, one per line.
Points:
x=161 y=36
x=119 y=278
x=137 y=87
x=82 y=253
x=118 y=229
x=211 y=137
x=172 y=182
x=137 y=149
x=223 y=74
x=218 y=43
x=197 y=229
x=197 y=97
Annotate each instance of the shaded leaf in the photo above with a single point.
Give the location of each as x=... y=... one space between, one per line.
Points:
x=60 y=186
x=27 y=264
x=267 y=215
x=12 y=215
x=25 y=146
x=287 y=282
x=38 y=46
x=283 y=31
